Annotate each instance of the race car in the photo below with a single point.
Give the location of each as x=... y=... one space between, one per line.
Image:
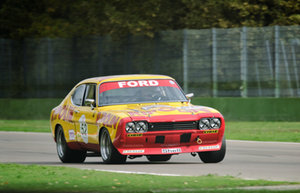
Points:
x=129 y=116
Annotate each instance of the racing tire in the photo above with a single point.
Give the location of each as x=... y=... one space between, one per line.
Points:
x=214 y=156
x=65 y=154
x=109 y=154
x=154 y=158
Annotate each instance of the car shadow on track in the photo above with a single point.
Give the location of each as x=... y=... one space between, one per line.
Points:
x=101 y=163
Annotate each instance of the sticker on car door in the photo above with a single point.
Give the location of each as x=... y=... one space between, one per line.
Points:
x=83 y=129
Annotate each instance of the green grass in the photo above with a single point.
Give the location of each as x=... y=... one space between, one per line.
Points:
x=257 y=131
x=29 y=109
x=254 y=109
x=264 y=131
x=25 y=125
x=35 y=178
x=232 y=108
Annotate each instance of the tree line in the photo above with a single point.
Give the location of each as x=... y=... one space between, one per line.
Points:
x=21 y=19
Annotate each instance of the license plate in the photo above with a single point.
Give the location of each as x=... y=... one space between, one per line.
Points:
x=171 y=150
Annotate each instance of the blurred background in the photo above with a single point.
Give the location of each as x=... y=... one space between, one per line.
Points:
x=215 y=49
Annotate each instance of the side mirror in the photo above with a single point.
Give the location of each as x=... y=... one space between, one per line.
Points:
x=90 y=102
x=189 y=96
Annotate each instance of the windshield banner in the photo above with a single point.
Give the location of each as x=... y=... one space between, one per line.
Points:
x=136 y=83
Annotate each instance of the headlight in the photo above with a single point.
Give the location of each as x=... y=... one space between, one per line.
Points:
x=209 y=123
x=136 y=127
x=141 y=127
x=215 y=123
x=204 y=124
x=130 y=127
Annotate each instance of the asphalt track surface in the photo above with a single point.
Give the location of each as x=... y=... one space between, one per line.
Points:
x=244 y=159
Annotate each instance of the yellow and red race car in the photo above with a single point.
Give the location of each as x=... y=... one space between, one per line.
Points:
x=132 y=116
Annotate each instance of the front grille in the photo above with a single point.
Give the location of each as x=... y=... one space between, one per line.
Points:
x=169 y=126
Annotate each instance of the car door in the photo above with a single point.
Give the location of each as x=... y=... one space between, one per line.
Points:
x=77 y=101
x=85 y=116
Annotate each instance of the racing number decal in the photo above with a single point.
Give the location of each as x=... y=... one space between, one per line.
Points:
x=83 y=129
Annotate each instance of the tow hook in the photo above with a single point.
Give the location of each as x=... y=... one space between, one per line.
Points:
x=193 y=154
x=199 y=141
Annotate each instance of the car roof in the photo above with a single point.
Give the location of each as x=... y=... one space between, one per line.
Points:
x=102 y=79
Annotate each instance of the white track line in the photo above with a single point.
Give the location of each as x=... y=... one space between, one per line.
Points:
x=131 y=172
x=265 y=142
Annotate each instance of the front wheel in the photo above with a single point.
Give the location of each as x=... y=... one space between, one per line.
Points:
x=109 y=153
x=214 y=156
x=65 y=154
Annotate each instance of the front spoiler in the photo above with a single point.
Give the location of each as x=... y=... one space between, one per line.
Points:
x=170 y=150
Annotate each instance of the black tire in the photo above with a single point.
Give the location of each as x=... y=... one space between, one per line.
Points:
x=154 y=158
x=214 y=156
x=65 y=154
x=109 y=154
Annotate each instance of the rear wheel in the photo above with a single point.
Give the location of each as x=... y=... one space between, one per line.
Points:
x=109 y=153
x=158 y=157
x=214 y=156
x=65 y=154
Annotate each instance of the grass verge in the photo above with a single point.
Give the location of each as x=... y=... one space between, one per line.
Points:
x=257 y=131
x=264 y=131
x=35 y=178
x=25 y=125
x=233 y=108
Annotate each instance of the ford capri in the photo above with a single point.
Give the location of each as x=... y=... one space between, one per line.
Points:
x=129 y=116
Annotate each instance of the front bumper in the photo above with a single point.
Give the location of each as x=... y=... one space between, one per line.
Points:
x=170 y=142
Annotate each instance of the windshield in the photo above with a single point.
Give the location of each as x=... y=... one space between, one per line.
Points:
x=140 y=91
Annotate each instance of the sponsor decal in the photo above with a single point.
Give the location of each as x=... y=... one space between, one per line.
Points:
x=172 y=82
x=195 y=109
x=83 y=129
x=135 y=135
x=71 y=134
x=108 y=119
x=209 y=147
x=171 y=150
x=154 y=107
x=136 y=83
x=210 y=131
x=134 y=151
x=64 y=112
x=151 y=109
x=141 y=113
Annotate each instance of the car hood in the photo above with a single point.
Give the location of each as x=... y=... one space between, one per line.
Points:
x=164 y=112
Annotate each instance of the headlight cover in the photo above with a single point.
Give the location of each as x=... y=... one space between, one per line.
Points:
x=215 y=123
x=204 y=124
x=209 y=123
x=130 y=127
x=137 y=127
x=141 y=127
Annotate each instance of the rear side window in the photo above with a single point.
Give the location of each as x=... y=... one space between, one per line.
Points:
x=77 y=96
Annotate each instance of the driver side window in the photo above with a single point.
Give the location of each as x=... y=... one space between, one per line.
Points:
x=90 y=93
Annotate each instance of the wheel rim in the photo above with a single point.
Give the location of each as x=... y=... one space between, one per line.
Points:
x=59 y=143
x=105 y=146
